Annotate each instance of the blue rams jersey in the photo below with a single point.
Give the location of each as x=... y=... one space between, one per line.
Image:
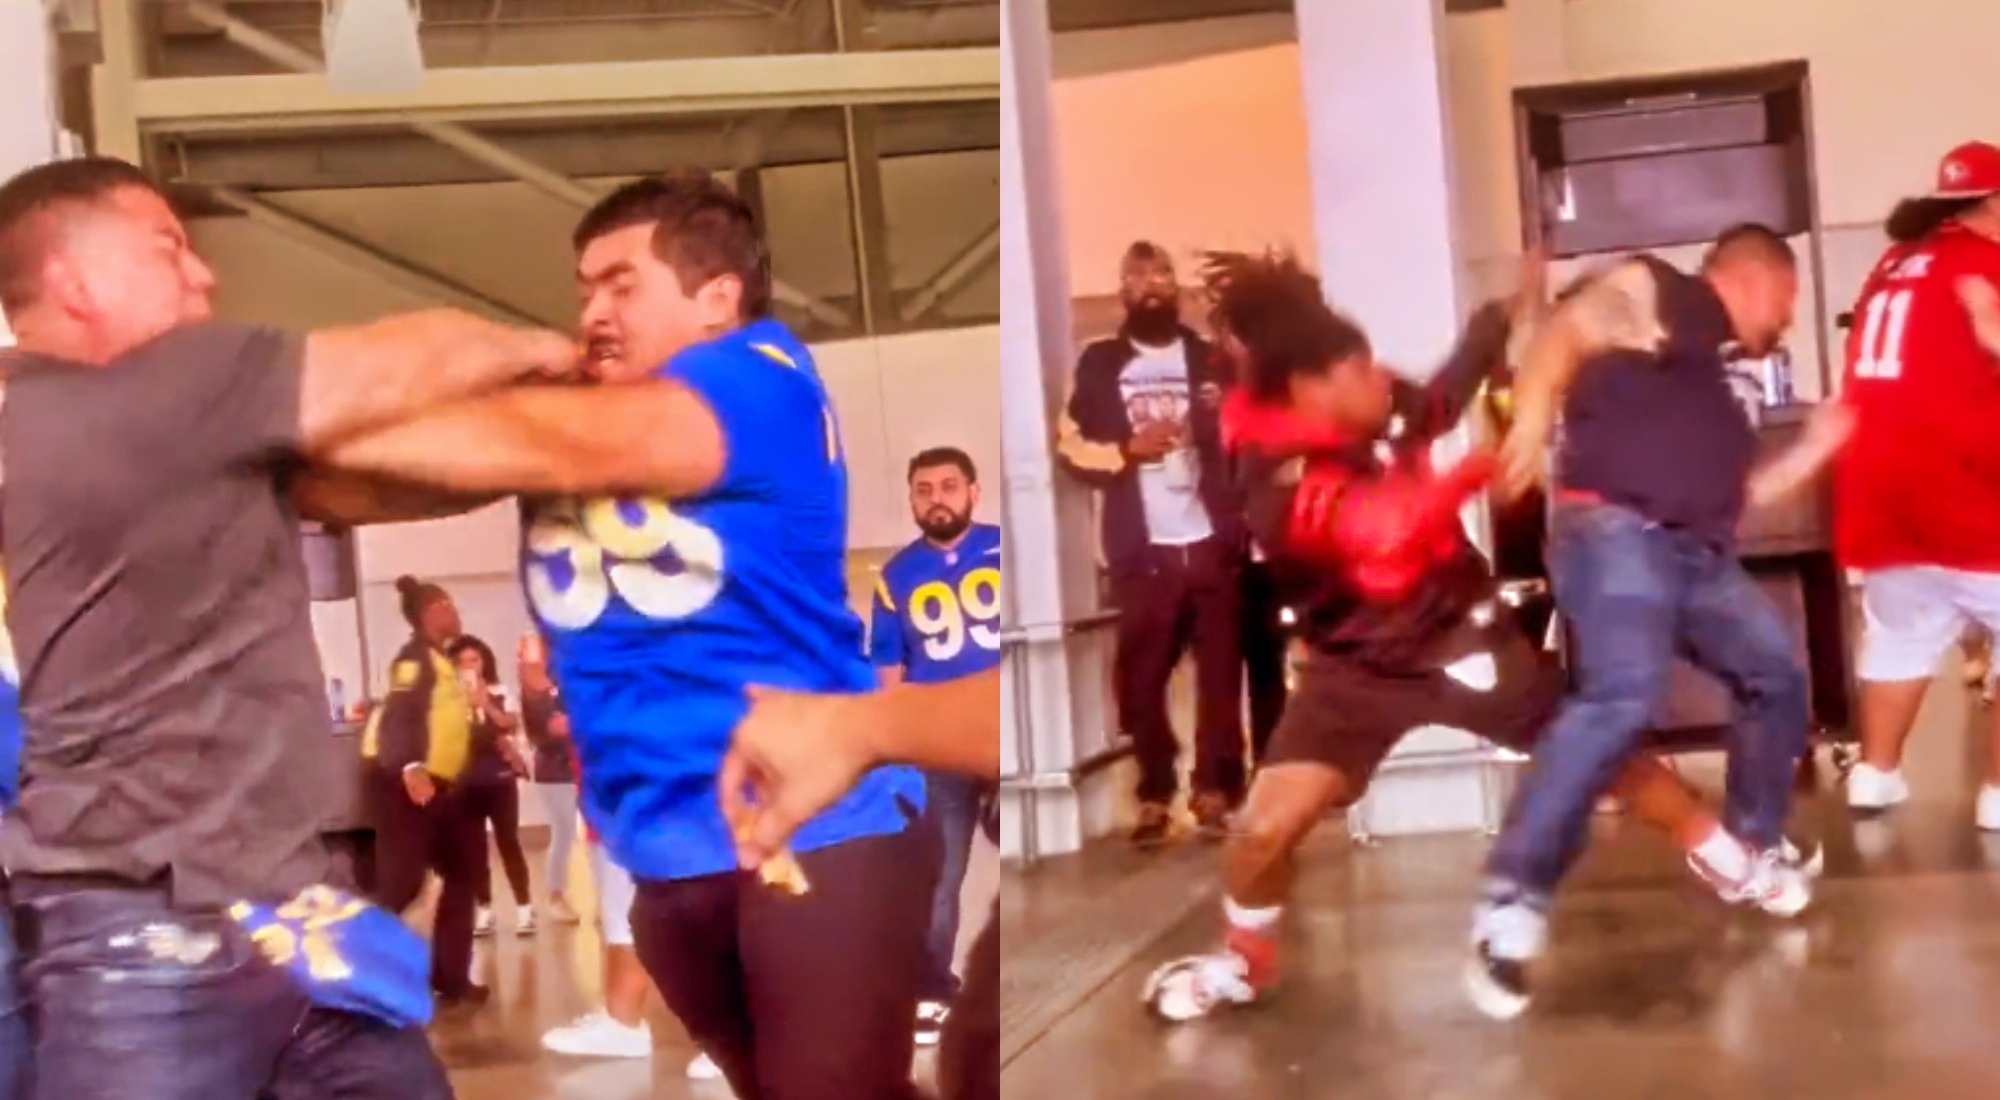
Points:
x=937 y=611
x=659 y=613
x=11 y=730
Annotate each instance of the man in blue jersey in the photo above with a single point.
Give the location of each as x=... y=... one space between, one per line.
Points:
x=936 y=617
x=14 y=1045
x=685 y=535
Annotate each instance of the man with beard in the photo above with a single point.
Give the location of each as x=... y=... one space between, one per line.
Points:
x=685 y=535
x=937 y=618
x=1141 y=427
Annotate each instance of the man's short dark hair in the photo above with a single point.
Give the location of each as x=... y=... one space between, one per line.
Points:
x=943 y=456
x=704 y=231
x=32 y=209
x=1754 y=242
x=1146 y=252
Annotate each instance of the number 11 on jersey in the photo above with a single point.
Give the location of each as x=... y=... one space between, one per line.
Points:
x=1884 y=318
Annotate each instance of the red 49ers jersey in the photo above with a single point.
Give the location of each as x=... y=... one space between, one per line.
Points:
x=1919 y=483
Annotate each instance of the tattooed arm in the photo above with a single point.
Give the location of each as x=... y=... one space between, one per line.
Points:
x=1618 y=309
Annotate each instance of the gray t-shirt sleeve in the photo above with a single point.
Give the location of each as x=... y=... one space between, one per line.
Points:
x=237 y=385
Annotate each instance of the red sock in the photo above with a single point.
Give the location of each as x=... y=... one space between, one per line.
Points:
x=1258 y=948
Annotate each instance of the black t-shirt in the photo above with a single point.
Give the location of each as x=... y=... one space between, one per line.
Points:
x=175 y=707
x=1660 y=431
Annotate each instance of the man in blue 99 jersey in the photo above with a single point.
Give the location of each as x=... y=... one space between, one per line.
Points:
x=685 y=535
x=936 y=617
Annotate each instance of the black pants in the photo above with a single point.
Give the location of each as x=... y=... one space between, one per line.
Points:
x=412 y=841
x=969 y=1059
x=499 y=802
x=1264 y=640
x=135 y=1000
x=1185 y=597
x=800 y=998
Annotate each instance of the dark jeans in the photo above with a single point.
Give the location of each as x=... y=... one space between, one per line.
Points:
x=499 y=801
x=954 y=804
x=800 y=998
x=135 y=1000
x=13 y=1016
x=1635 y=595
x=411 y=841
x=1264 y=641
x=1184 y=597
x=969 y=1059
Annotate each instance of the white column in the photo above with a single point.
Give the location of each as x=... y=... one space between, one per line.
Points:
x=27 y=87
x=1054 y=712
x=28 y=130
x=1379 y=141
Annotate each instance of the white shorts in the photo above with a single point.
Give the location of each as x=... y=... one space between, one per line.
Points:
x=1914 y=614
x=615 y=893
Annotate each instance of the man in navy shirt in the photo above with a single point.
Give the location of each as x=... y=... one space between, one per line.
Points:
x=1650 y=482
x=937 y=618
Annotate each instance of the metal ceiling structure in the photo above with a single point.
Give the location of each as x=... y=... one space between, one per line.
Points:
x=225 y=99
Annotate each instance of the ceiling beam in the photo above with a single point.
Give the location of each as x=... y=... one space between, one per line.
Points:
x=473 y=146
x=371 y=259
x=208 y=104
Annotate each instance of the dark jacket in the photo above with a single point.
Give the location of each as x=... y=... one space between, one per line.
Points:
x=1095 y=431
x=426 y=719
x=1421 y=630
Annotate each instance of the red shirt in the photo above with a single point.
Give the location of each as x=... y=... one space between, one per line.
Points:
x=1919 y=482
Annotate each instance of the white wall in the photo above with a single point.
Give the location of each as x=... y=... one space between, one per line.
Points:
x=1194 y=136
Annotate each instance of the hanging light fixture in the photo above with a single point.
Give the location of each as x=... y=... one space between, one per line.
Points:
x=372 y=47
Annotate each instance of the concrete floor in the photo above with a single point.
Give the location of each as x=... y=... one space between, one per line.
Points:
x=494 y=1052
x=1890 y=987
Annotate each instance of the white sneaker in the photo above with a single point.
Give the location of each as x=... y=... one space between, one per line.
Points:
x=1192 y=987
x=1869 y=788
x=483 y=926
x=1778 y=881
x=931 y=1016
x=703 y=1068
x=524 y=922
x=1506 y=939
x=1987 y=811
x=599 y=1036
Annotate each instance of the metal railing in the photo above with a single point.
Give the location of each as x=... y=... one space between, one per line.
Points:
x=1029 y=781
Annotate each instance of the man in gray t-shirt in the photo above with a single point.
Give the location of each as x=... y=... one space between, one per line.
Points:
x=177 y=748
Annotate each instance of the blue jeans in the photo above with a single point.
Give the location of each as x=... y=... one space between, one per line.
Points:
x=1635 y=595
x=954 y=805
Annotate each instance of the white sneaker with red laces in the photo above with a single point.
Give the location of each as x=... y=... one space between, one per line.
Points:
x=1778 y=881
x=1192 y=987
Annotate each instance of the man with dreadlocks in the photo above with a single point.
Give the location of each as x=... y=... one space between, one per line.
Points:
x=1395 y=603
x=1917 y=504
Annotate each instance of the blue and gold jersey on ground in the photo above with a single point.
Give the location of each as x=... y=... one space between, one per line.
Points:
x=11 y=728
x=658 y=614
x=937 y=609
x=346 y=954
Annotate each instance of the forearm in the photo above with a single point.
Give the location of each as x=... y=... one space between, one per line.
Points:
x=1481 y=352
x=358 y=379
x=346 y=498
x=550 y=440
x=1548 y=367
x=953 y=726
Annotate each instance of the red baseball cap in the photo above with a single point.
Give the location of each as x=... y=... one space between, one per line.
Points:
x=1971 y=171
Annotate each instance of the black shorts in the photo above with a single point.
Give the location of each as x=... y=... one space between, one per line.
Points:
x=1349 y=717
x=801 y=998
